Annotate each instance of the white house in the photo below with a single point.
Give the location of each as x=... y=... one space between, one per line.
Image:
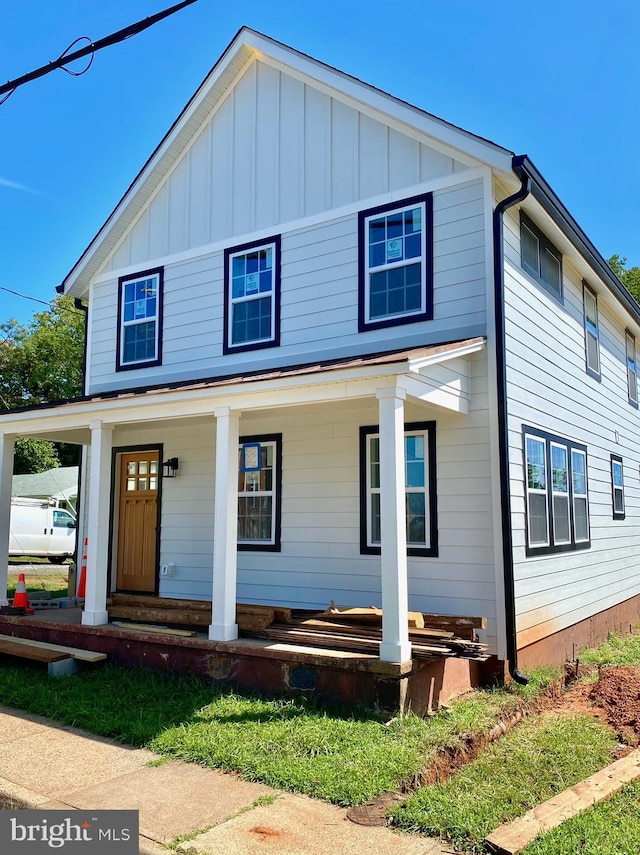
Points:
x=381 y=359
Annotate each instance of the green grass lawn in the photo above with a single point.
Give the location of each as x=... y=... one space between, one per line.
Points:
x=610 y=828
x=295 y=744
x=56 y=583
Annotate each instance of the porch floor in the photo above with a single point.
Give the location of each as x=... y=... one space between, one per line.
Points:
x=269 y=666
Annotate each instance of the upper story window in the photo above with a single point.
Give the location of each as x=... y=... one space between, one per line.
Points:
x=591 y=331
x=632 y=373
x=539 y=256
x=617 y=487
x=259 y=492
x=252 y=296
x=420 y=490
x=557 y=503
x=395 y=249
x=139 y=340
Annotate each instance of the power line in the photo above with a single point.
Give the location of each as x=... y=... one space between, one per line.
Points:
x=65 y=58
x=44 y=302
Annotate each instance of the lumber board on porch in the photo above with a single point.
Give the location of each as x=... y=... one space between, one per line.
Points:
x=282 y=613
x=246 y=620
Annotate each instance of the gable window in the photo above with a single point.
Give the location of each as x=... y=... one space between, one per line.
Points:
x=591 y=333
x=632 y=374
x=139 y=340
x=252 y=296
x=420 y=490
x=557 y=506
x=539 y=257
x=259 y=492
x=395 y=250
x=617 y=487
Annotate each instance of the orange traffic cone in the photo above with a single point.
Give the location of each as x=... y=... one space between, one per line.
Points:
x=83 y=572
x=20 y=599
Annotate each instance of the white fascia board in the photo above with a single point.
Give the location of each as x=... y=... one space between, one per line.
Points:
x=422 y=362
x=338 y=81
x=454 y=395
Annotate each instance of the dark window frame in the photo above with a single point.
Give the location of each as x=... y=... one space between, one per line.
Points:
x=274 y=341
x=159 y=320
x=544 y=245
x=429 y=428
x=632 y=369
x=365 y=324
x=276 y=546
x=588 y=331
x=570 y=446
x=617 y=515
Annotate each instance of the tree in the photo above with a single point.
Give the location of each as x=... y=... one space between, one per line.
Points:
x=629 y=276
x=41 y=363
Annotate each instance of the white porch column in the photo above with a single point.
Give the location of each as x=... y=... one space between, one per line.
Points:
x=225 y=527
x=395 y=645
x=95 y=604
x=6 y=474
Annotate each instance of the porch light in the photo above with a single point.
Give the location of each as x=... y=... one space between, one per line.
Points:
x=170 y=467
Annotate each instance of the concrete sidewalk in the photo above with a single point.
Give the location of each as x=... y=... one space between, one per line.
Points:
x=45 y=765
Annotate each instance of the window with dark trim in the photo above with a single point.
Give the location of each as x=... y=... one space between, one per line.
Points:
x=260 y=492
x=557 y=501
x=252 y=296
x=539 y=256
x=139 y=335
x=632 y=372
x=395 y=263
x=617 y=487
x=420 y=489
x=591 y=331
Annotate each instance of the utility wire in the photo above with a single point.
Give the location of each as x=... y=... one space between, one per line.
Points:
x=65 y=58
x=44 y=302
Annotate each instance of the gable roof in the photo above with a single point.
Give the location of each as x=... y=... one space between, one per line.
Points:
x=246 y=46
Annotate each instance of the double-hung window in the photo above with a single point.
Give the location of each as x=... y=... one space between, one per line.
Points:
x=259 y=492
x=617 y=487
x=139 y=339
x=540 y=258
x=395 y=249
x=632 y=373
x=591 y=334
x=252 y=296
x=420 y=490
x=557 y=505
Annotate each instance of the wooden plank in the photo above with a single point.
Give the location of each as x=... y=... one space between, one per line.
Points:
x=142 y=614
x=366 y=615
x=185 y=633
x=509 y=839
x=76 y=652
x=283 y=613
x=452 y=621
x=39 y=654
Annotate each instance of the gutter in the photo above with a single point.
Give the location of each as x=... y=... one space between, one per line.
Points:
x=77 y=302
x=501 y=372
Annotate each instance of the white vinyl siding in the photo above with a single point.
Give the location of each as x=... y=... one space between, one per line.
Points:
x=547 y=388
x=319 y=300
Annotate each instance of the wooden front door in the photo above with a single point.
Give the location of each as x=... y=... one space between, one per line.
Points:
x=138 y=521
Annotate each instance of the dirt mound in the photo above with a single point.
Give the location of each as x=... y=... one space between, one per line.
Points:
x=618 y=693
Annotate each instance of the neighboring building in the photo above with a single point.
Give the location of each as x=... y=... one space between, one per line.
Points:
x=389 y=366
x=60 y=485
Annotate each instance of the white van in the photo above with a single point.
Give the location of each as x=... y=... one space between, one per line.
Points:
x=38 y=528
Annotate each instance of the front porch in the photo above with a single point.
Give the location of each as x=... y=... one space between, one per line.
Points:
x=332 y=673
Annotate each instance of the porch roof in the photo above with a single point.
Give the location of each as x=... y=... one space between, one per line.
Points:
x=418 y=371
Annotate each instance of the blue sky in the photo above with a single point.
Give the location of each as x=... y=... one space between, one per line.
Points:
x=559 y=81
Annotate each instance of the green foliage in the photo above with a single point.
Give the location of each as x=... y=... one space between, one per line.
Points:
x=34 y=455
x=629 y=276
x=535 y=761
x=42 y=362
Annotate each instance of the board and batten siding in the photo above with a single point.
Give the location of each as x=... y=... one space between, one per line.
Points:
x=548 y=388
x=320 y=558
x=319 y=301
x=275 y=150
